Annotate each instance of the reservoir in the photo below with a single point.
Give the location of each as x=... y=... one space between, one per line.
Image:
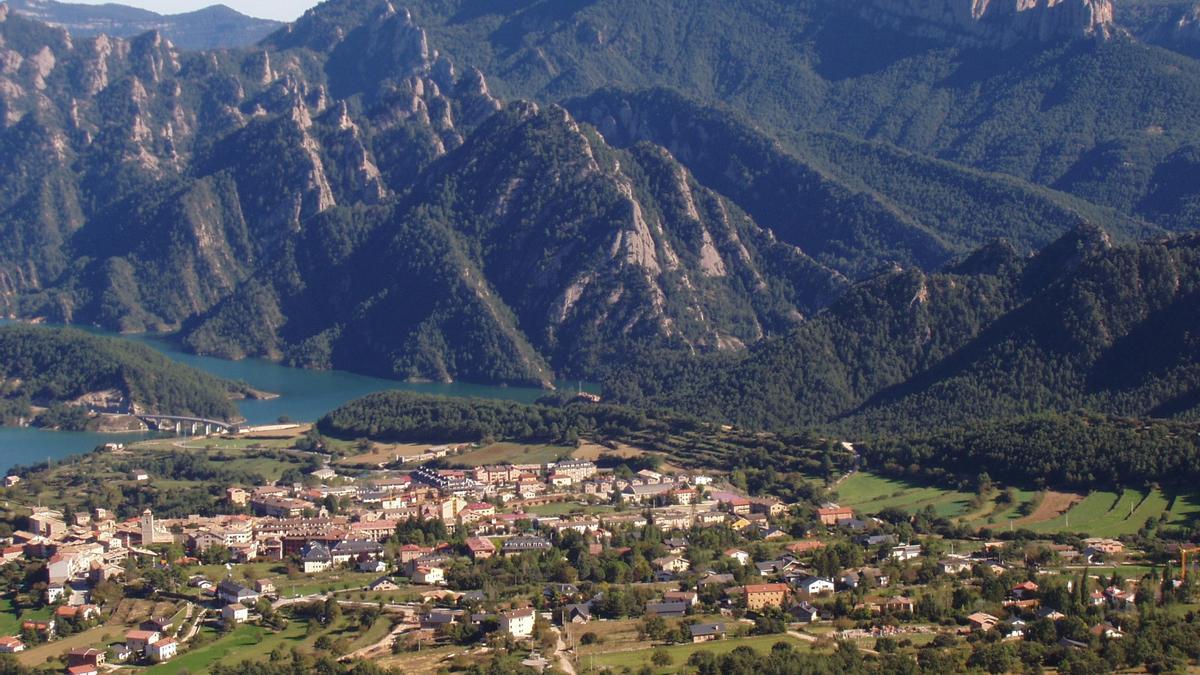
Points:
x=304 y=395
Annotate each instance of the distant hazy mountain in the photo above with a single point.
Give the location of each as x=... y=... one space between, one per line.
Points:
x=213 y=27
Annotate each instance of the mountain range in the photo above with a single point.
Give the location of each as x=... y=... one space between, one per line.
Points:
x=521 y=191
x=1084 y=324
x=215 y=27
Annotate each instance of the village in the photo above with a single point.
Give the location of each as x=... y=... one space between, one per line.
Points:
x=554 y=559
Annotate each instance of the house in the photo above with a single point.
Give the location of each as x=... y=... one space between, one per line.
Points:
x=667 y=610
x=1024 y=590
x=852 y=524
x=560 y=590
x=120 y=652
x=898 y=605
x=315 y=557
x=429 y=575
x=481 y=548
x=831 y=514
x=355 y=550
x=264 y=587
x=139 y=640
x=230 y=592
x=981 y=622
x=1015 y=629
x=43 y=628
x=523 y=544
x=815 y=585
x=739 y=555
x=1117 y=598
x=905 y=552
x=440 y=617
x=411 y=552
x=580 y=612
x=158 y=625
x=784 y=565
x=672 y=563
x=954 y=565
x=762 y=595
x=1104 y=546
x=706 y=632
x=690 y=598
x=1050 y=613
x=11 y=645
x=1107 y=630
x=713 y=578
x=11 y=480
x=163 y=650
x=235 y=614
x=805 y=613
x=518 y=622
x=383 y=584
x=83 y=669
x=375 y=566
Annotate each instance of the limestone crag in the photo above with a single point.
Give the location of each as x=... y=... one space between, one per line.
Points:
x=995 y=23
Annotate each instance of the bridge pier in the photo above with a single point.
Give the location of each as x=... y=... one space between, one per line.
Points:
x=185 y=426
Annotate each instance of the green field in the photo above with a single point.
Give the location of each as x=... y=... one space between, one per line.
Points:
x=1087 y=513
x=9 y=621
x=199 y=660
x=636 y=659
x=1101 y=514
x=565 y=508
x=870 y=494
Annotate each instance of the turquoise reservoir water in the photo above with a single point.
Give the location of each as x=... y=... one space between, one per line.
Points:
x=304 y=395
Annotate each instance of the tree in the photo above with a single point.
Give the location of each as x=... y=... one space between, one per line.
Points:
x=661 y=658
x=331 y=611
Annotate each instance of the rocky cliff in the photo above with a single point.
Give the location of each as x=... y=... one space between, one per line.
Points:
x=345 y=196
x=995 y=22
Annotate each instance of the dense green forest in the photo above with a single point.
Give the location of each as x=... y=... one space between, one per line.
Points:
x=716 y=175
x=48 y=366
x=402 y=416
x=1079 y=451
x=1083 y=324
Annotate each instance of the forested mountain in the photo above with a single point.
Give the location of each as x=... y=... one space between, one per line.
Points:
x=53 y=366
x=1083 y=324
x=368 y=189
x=213 y=27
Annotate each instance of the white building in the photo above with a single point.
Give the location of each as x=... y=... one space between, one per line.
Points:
x=518 y=623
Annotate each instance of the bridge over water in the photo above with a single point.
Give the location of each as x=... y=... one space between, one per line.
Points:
x=188 y=426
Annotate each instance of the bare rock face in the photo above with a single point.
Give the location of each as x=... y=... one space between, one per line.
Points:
x=1188 y=27
x=996 y=23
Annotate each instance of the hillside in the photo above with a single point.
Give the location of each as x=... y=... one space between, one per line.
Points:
x=215 y=27
x=368 y=189
x=1066 y=97
x=48 y=367
x=1083 y=324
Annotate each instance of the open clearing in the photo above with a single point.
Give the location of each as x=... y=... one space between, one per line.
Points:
x=870 y=494
x=636 y=659
x=513 y=453
x=1101 y=513
x=1053 y=505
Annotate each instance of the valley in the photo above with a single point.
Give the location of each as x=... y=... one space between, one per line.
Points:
x=601 y=336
